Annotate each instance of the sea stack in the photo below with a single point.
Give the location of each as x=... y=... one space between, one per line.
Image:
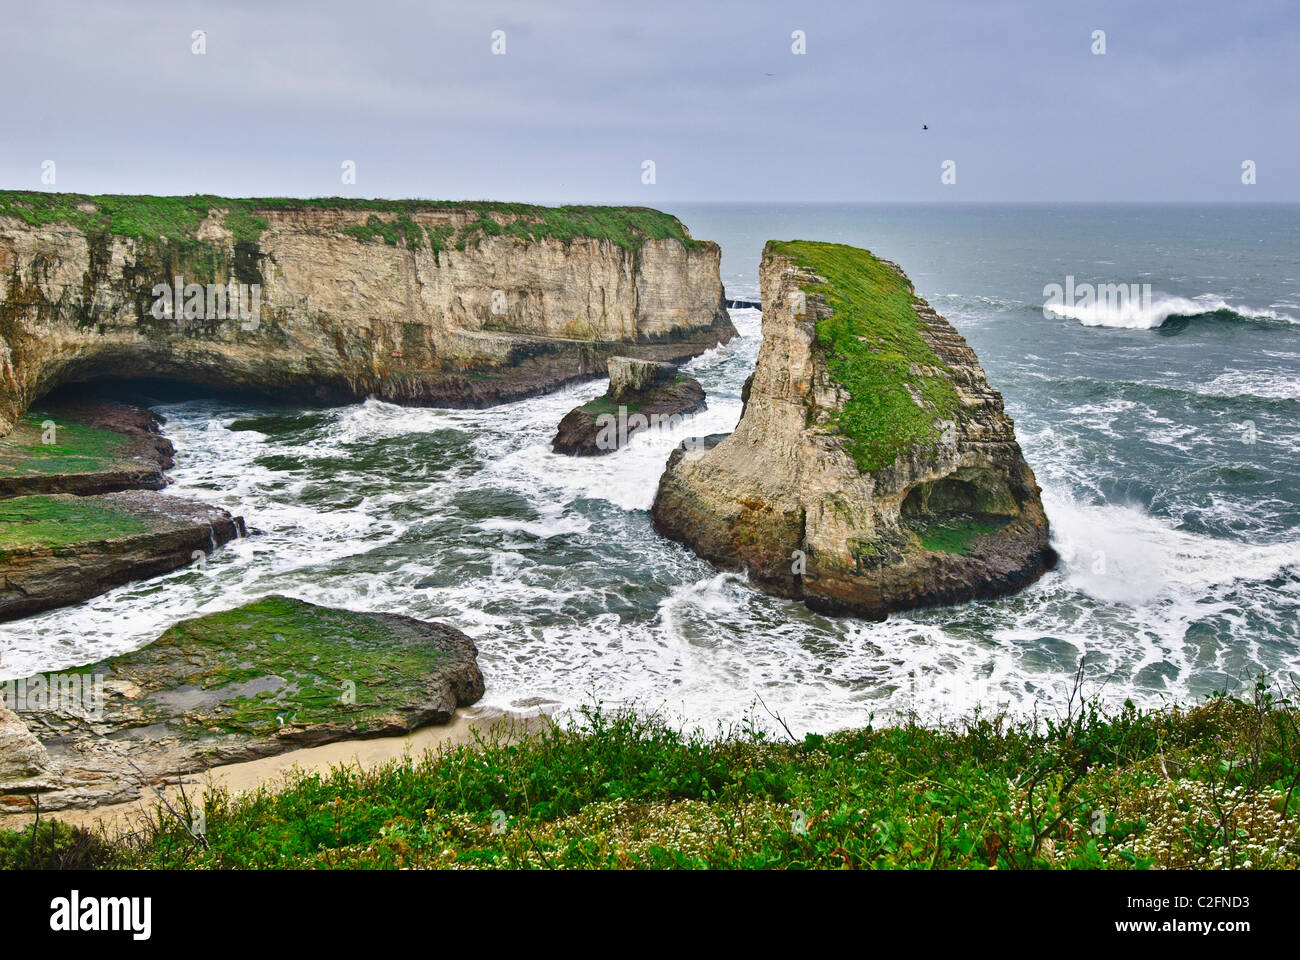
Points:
x=642 y=394
x=874 y=468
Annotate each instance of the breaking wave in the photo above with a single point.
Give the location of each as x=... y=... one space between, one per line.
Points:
x=1149 y=313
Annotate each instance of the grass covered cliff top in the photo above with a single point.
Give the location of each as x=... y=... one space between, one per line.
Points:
x=874 y=350
x=1209 y=787
x=147 y=217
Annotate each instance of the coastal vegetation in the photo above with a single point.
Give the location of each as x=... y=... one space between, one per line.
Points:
x=152 y=218
x=898 y=389
x=1211 y=786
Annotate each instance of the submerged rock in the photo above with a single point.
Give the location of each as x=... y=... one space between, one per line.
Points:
x=61 y=549
x=642 y=395
x=874 y=468
x=264 y=678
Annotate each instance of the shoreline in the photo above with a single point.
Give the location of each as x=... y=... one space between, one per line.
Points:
x=249 y=775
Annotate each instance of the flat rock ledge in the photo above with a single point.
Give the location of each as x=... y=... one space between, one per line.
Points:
x=84 y=448
x=923 y=499
x=642 y=395
x=60 y=549
x=271 y=676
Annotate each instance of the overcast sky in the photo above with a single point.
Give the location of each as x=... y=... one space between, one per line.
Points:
x=710 y=91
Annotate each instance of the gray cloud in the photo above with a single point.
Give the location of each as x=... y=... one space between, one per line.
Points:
x=710 y=92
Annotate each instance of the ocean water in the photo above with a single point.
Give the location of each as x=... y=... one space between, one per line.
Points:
x=1165 y=437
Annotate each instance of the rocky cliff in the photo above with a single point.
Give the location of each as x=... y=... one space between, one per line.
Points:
x=333 y=300
x=873 y=468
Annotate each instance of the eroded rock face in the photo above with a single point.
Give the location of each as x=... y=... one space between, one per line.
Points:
x=23 y=761
x=642 y=395
x=629 y=376
x=271 y=676
x=341 y=316
x=953 y=517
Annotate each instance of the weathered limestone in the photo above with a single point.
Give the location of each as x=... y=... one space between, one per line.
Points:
x=344 y=315
x=629 y=376
x=950 y=517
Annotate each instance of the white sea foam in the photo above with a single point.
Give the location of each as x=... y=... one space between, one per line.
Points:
x=1270 y=385
x=570 y=595
x=1135 y=313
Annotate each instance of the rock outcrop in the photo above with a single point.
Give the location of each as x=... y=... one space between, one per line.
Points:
x=271 y=676
x=333 y=300
x=84 y=447
x=61 y=549
x=873 y=468
x=642 y=395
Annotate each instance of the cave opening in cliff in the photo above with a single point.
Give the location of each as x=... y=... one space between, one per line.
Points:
x=968 y=491
x=148 y=392
x=950 y=513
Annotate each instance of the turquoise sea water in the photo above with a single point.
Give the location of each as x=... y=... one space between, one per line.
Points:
x=1166 y=439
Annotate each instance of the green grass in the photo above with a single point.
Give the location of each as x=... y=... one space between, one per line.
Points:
x=318 y=652
x=1207 y=787
x=57 y=521
x=875 y=351
x=389 y=231
x=77 y=447
x=178 y=218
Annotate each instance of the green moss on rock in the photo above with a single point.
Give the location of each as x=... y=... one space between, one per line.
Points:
x=280 y=661
x=955 y=533
x=61 y=520
x=77 y=448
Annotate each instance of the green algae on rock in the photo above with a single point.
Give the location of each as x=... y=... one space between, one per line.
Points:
x=60 y=549
x=375 y=674
x=270 y=676
x=84 y=448
x=874 y=468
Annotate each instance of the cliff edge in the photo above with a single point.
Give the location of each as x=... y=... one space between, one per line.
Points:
x=333 y=300
x=873 y=468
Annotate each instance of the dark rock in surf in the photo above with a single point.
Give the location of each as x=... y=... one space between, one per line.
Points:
x=642 y=394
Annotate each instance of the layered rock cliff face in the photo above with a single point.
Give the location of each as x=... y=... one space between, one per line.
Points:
x=873 y=468
x=413 y=302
